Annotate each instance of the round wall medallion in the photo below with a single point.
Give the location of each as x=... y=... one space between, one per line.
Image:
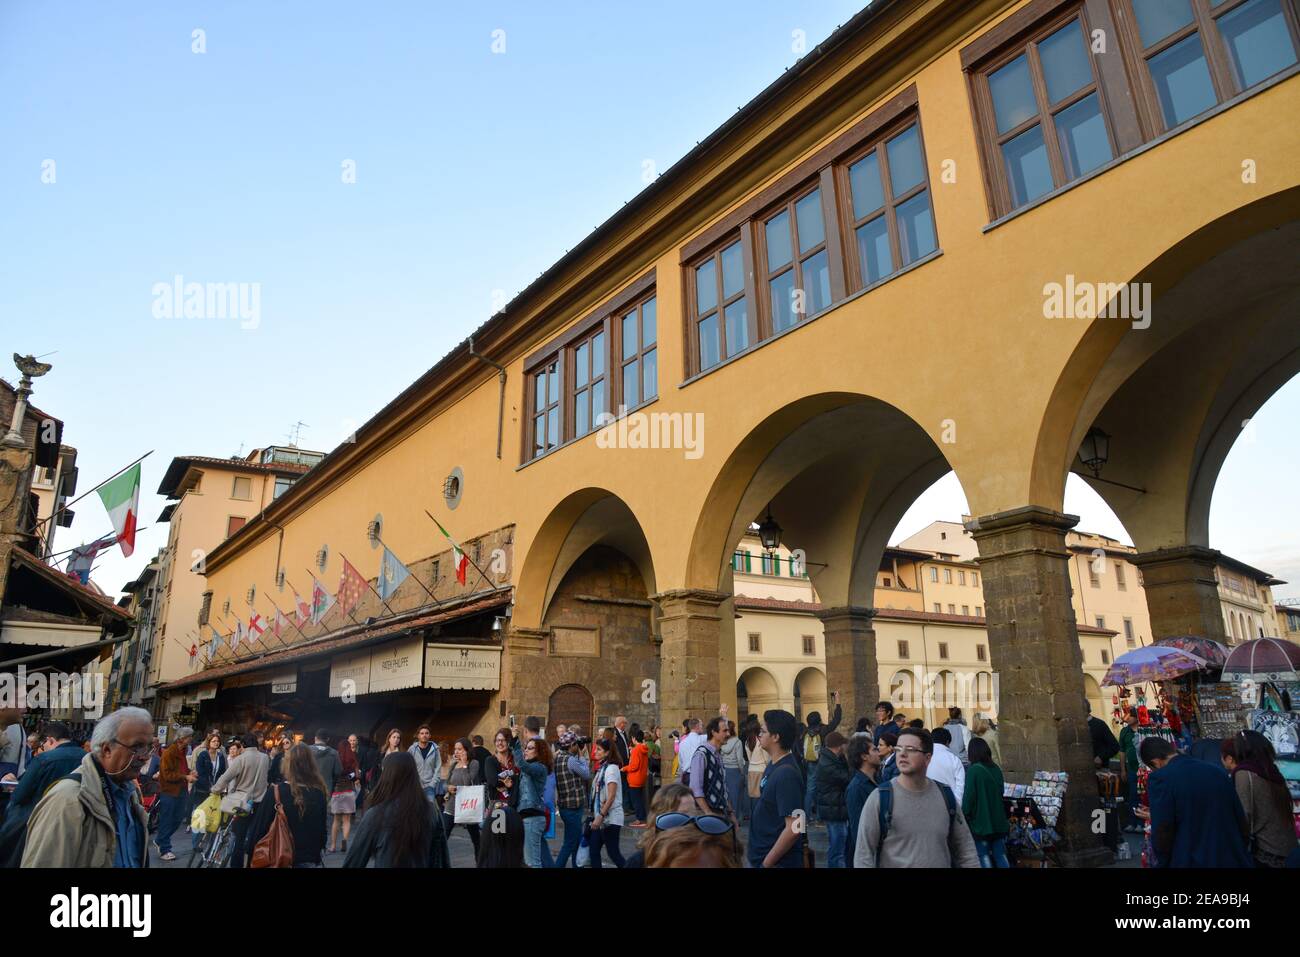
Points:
x=453 y=487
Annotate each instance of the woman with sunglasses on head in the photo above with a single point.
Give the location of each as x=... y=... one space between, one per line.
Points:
x=670 y=797
x=1249 y=758
x=705 y=840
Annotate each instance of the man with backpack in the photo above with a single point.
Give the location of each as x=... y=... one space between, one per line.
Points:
x=810 y=749
x=912 y=820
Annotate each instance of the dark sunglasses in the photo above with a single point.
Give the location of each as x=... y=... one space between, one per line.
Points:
x=708 y=823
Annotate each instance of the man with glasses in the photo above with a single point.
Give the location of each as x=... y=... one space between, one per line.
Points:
x=913 y=821
x=776 y=830
x=59 y=755
x=93 y=817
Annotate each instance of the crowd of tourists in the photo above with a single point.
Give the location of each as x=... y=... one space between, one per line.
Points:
x=890 y=793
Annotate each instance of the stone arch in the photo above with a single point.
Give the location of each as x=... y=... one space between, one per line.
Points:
x=571 y=704
x=902 y=689
x=759 y=691
x=1096 y=700
x=810 y=693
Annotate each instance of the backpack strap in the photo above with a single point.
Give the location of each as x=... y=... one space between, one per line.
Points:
x=885 y=816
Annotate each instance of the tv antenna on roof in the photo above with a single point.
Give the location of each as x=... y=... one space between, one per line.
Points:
x=295 y=432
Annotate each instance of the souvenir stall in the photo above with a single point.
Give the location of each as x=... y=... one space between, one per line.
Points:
x=1032 y=811
x=1198 y=704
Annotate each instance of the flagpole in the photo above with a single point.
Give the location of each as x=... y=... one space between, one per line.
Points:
x=336 y=601
x=262 y=637
x=67 y=551
x=391 y=613
x=66 y=505
x=286 y=617
x=413 y=575
x=482 y=574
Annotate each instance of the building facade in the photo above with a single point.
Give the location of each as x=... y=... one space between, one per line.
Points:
x=914 y=188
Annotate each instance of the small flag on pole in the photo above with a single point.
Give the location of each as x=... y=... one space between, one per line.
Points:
x=301 y=610
x=281 y=622
x=121 y=498
x=321 y=601
x=460 y=558
x=351 y=587
x=256 y=627
x=194 y=653
x=391 y=575
x=239 y=635
x=216 y=642
x=81 y=559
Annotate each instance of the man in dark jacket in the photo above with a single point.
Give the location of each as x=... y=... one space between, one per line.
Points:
x=864 y=758
x=59 y=757
x=832 y=780
x=327 y=760
x=809 y=747
x=1104 y=745
x=1196 y=817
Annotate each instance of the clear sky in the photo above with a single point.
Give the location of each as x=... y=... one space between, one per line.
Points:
x=474 y=171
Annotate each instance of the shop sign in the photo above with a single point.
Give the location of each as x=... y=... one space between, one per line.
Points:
x=398 y=664
x=473 y=667
x=205 y=692
x=285 y=683
x=350 y=674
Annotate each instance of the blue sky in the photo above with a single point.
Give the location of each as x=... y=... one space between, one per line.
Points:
x=475 y=170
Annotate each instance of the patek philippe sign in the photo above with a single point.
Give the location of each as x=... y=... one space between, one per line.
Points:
x=350 y=674
x=472 y=667
x=397 y=665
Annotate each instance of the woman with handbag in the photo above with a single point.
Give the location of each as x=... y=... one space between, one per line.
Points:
x=501 y=772
x=1249 y=758
x=606 y=806
x=301 y=798
x=209 y=764
x=465 y=772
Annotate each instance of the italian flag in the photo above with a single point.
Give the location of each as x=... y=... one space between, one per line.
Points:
x=121 y=498
x=461 y=559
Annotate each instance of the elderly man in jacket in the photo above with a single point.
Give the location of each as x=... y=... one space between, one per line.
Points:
x=244 y=785
x=93 y=818
x=174 y=778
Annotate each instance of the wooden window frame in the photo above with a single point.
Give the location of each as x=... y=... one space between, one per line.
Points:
x=766 y=317
x=1205 y=17
x=878 y=144
x=242 y=519
x=903 y=649
x=755 y=643
x=748 y=290
x=530 y=452
x=616 y=350
x=810 y=645
x=981 y=653
x=234 y=487
x=943 y=655
x=569 y=422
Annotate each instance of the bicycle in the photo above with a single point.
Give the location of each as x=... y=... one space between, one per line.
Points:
x=216 y=847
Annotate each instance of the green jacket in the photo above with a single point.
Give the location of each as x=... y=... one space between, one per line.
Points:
x=981 y=804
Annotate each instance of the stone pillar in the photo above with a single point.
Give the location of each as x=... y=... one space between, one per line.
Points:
x=1042 y=713
x=851 y=667
x=1182 y=593
x=690 y=654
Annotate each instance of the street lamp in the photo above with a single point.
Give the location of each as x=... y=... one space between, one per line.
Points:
x=1094 y=453
x=769 y=532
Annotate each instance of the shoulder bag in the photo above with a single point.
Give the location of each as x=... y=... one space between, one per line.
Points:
x=275 y=849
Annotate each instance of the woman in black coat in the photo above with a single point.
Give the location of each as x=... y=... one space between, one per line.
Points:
x=401 y=827
x=302 y=795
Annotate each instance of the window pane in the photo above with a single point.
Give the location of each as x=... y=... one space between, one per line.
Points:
x=598 y=355
x=782 y=291
x=581 y=364
x=706 y=287
x=709 y=342
x=553 y=380
x=1028 y=171
x=905 y=166
x=777 y=230
x=873 y=250
x=737 y=326
x=1258 y=41
x=916 y=228
x=598 y=404
x=808 y=216
x=1065 y=62
x=539 y=435
x=552 y=428
x=1013 y=94
x=864 y=183
x=1159 y=18
x=648 y=320
x=630 y=345
x=733 y=273
x=1082 y=134
x=580 y=409
x=631 y=384
x=1182 y=81
x=539 y=400
x=816 y=283
x=650 y=374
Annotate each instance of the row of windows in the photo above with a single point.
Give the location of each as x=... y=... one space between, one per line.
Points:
x=1055 y=98
x=961 y=576
x=1097 y=566
x=809 y=644
x=771 y=564
x=965 y=609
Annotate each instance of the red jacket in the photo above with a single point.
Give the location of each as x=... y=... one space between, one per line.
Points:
x=638 y=765
x=173 y=770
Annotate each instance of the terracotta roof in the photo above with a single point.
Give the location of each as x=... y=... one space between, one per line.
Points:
x=350 y=638
x=181 y=464
x=71 y=585
x=897 y=614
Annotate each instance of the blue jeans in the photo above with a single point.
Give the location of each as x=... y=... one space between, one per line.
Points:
x=171 y=811
x=534 y=828
x=606 y=837
x=572 y=820
x=992 y=853
x=838 y=832
x=810 y=795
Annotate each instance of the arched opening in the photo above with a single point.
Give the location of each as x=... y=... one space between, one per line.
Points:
x=1096 y=700
x=810 y=694
x=756 y=692
x=571 y=705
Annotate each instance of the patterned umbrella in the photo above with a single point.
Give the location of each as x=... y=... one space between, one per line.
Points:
x=1209 y=649
x=1271 y=659
x=1152 y=663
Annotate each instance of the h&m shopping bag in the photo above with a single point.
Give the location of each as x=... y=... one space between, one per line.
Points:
x=469 y=804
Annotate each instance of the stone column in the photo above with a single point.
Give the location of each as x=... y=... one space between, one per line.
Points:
x=690 y=654
x=1038 y=665
x=851 y=667
x=1181 y=591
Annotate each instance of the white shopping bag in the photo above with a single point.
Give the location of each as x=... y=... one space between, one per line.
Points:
x=469 y=804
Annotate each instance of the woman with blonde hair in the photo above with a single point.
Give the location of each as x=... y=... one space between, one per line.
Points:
x=983 y=728
x=392 y=743
x=704 y=840
x=670 y=797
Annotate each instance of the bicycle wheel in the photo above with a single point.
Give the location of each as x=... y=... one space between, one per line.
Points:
x=199 y=853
